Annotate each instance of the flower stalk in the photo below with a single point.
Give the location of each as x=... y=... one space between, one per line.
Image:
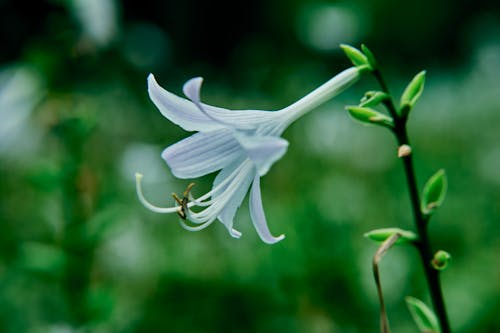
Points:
x=423 y=244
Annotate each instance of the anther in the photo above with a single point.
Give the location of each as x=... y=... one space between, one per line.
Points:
x=183 y=202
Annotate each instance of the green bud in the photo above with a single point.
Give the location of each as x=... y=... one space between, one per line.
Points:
x=441 y=260
x=369 y=55
x=424 y=317
x=370 y=116
x=357 y=58
x=373 y=98
x=380 y=235
x=412 y=93
x=434 y=192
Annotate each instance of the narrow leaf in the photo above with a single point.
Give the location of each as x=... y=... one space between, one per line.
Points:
x=412 y=93
x=357 y=58
x=373 y=98
x=369 y=55
x=423 y=316
x=380 y=235
x=370 y=116
x=434 y=192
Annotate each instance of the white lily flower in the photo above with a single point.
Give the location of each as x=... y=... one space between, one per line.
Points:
x=242 y=144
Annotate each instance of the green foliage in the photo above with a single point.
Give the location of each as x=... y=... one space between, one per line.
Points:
x=369 y=56
x=423 y=316
x=357 y=57
x=434 y=192
x=411 y=94
x=373 y=98
x=369 y=116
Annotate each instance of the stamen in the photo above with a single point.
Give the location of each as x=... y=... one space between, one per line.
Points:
x=147 y=204
x=195 y=228
x=184 y=201
x=200 y=201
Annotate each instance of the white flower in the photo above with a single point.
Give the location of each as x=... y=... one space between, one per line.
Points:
x=242 y=144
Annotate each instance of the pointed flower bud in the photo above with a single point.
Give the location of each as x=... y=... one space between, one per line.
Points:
x=412 y=93
x=441 y=260
x=434 y=192
x=424 y=317
x=370 y=116
x=380 y=235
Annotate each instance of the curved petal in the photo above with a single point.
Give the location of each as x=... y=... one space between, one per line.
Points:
x=238 y=119
x=179 y=110
x=258 y=216
x=202 y=153
x=262 y=150
x=229 y=211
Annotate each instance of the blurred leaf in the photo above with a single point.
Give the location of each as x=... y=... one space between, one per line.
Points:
x=44 y=258
x=423 y=316
x=434 y=192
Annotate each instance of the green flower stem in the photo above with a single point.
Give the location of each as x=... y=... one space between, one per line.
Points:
x=423 y=244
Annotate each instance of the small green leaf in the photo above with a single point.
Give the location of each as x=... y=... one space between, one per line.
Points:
x=423 y=316
x=380 y=235
x=412 y=93
x=434 y=192
x=369 y=56
x=373 y=98
x=441 y=260
x=370 y=116
x=357 y=58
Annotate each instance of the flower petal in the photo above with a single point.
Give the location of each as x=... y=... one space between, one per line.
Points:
x=258 y=216
x=227 y=214
x=238 y=119
x=202 y=153
x=262 y=150
x=179 y=110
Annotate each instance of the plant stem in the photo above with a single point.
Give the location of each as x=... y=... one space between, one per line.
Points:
x=423 y=245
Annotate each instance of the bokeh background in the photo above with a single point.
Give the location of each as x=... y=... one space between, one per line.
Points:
x=78 y=252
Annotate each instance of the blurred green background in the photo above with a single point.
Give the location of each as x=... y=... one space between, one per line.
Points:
x=78 y=252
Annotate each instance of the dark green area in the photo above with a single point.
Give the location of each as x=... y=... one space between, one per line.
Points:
x=79 y=253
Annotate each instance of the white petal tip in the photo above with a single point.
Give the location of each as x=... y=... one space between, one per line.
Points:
x=192 y=88
x=235 y=233
x=274 y=240
x=138 y=176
